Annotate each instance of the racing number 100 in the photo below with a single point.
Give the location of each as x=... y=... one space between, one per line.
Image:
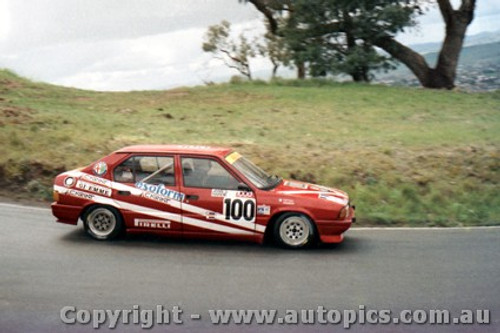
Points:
x=235 y=209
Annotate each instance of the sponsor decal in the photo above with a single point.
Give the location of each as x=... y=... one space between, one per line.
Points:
x=156 y=197
x=333 y=199
x=319 y=188
x=210 y=215
x=100 y=168
x=233 y=157
x=161 y=191
x=93 y=188
x=195 y=147
x=149 y=223
x=69 y=181
x=300 y=185
x=244 y=194
x=216 y=193
x=263 y=210
x=286 y=201
x=97 y=180
x=81 y=195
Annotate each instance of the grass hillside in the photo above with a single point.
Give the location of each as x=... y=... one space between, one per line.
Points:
x=406 y=156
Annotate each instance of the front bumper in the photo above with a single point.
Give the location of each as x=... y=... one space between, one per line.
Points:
x=66 y=213
x=333 y=231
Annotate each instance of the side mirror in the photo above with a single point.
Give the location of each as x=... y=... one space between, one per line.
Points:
x=244 y=187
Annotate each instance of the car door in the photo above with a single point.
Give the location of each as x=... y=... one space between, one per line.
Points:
x=148 y=191
x=213 y=203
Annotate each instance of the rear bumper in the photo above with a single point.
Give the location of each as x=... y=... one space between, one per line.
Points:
x=66 y=213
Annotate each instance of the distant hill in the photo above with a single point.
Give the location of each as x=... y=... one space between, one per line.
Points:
x=487 y=37
x=473 y=54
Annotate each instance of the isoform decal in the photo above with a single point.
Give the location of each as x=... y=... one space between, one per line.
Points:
x=161 y=190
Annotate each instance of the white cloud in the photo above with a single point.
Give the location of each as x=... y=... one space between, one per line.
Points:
x=431 y=27
x=5 y=20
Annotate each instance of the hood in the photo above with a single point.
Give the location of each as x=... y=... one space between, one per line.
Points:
x=306 y=190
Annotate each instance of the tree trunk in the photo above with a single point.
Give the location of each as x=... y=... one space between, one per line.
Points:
x=360 y=75
x=301 y=70
x=360 y=72
x=275 y=69
x=444 y=74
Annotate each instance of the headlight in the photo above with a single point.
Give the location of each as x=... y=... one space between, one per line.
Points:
x=344 y=212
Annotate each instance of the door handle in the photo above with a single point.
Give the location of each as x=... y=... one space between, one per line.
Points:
x=192 y=197
x=123 y=192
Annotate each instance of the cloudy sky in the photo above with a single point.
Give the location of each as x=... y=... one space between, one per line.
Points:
x=145 y=44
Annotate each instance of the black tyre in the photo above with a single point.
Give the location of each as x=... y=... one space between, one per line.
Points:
x=294 y=230
x=103 y=223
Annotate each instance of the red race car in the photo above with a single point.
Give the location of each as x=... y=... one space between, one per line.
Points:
x=197 y=191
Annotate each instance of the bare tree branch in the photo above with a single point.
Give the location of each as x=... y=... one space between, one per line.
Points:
x=264 y=9
x=446 y=10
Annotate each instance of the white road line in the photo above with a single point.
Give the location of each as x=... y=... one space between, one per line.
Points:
x=423 y=228
x=2 y=204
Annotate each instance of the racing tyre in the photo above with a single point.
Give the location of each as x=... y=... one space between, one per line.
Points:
x=294 y=230
x=103 y=223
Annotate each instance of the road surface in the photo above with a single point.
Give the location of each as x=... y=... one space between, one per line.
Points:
x=46 y=266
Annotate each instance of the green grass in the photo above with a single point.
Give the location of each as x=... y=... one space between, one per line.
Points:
x=406 y=156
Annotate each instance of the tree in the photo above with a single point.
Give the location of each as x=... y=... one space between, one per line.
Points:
x=234 y=54
x=444 y=73
x=276 y=50
x=339 y=50
x=278 y=13
x=367 y=23
x=334 y=36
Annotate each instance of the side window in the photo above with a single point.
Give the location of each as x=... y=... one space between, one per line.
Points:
x=151 y=169
x=207 y=173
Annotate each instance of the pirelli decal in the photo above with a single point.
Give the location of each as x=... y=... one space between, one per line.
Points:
x=151 y=224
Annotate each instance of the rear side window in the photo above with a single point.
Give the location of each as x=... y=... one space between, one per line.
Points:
x=151 y=169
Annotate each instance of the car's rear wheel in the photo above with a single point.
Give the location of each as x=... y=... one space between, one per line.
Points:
x=294 y=230
x=103 y=223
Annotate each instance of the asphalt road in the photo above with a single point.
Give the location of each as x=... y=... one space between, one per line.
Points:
x=45 y=266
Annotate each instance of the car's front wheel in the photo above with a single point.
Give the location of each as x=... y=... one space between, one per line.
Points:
x=103 y=223
x=294 y=230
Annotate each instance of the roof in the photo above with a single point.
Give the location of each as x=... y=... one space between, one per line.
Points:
x=186 y=149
